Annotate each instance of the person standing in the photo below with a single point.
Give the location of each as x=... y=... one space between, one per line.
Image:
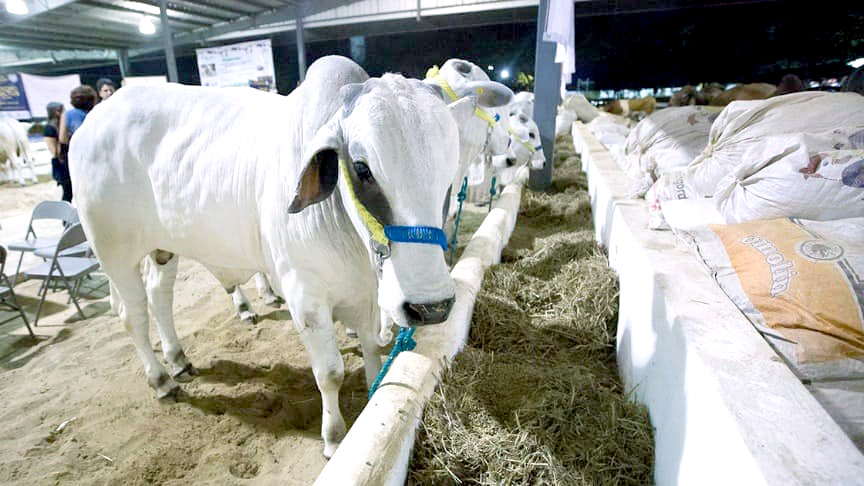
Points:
x=83 y=98
x=51 y=134
x=105 y=88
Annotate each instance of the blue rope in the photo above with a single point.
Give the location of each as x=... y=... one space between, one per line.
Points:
x=491 y=193
x=463 y=194
x=404 y=342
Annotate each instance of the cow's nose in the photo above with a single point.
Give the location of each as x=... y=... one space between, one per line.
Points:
x=511 y=162
x=431 y=313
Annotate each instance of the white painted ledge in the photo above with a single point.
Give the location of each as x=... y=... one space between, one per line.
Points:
x=724 y=407
x=378 y=446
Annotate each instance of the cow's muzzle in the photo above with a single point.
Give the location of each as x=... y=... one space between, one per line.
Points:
x=431 y=313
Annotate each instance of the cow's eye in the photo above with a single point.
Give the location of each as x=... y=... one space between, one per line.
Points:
x=531 y=136
x=363 y=172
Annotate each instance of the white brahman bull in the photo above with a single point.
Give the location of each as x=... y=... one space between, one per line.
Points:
x=523 y=102
x=15 y=152
x=525 y=148
x=484 y=134
x=335 y=191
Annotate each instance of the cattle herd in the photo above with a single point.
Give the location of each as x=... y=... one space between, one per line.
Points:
x=340 y=200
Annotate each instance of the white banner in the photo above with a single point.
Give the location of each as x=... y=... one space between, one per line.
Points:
x=41 y=90
x=143 y=80
x=243 y=64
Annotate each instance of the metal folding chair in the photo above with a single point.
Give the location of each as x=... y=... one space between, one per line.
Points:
x=45 y=210
x=64 y=269
x=7 y=295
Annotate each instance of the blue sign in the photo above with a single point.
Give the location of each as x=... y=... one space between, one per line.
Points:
x=12 y=97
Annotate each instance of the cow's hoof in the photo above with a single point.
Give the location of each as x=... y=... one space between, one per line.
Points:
x=186 y=374
x=174 y=395
x=249 y=317
x=330 y=449
x=274 y=301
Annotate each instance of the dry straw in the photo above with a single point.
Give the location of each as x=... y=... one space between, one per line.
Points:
x=534 y=398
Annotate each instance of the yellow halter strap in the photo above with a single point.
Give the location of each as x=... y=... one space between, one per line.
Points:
x=435 y=75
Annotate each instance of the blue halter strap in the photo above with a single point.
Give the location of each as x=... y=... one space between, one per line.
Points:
x=417 y=234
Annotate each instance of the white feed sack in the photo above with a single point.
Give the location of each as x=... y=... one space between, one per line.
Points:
x=609 y=129
x=741 y=129
x=666 y=140
x=575 y=107
x=791 y=175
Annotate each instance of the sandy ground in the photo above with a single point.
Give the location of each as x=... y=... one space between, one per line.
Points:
x=77 y=409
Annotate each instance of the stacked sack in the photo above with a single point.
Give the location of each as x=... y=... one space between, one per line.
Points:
x=575 y=107
x=813 y=136
x=609 y=129
x=665 y=141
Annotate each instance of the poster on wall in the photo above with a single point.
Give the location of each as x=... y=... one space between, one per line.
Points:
x=243 y=64
x=42 y=90
x=13 y=101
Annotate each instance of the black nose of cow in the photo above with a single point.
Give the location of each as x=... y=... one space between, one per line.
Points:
x=511 y=162
x=431 y=313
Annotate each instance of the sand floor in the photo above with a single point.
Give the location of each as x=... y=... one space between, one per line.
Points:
x=77 y=409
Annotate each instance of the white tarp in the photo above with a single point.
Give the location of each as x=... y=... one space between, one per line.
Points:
x=243 y=64
x=42 y=90
x=610 y=129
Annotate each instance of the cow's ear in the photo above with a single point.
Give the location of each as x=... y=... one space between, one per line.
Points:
x=489 y=93
x=320 y=171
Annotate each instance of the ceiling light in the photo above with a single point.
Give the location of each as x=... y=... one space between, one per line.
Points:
x=17 y=7
x=856 y=63
x=146 y=26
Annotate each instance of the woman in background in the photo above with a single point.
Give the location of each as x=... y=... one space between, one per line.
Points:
x=105 y=88
x=83 y=98
x=60 y=172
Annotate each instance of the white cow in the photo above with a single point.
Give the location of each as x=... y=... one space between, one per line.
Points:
x=15 y=152
x=307 y=187
x=525 y=148
x=523 y=102
x=484 y=134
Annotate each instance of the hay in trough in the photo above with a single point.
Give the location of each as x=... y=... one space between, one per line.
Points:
x=534 y=398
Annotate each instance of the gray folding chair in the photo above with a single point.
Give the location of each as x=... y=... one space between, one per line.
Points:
x=64 y=269
x=7 y=295
x=45 y=210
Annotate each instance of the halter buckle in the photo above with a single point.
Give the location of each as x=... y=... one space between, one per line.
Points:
x=382 y=252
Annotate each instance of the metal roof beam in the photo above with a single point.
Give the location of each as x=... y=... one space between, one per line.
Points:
x=35 y=8
x=117 y=14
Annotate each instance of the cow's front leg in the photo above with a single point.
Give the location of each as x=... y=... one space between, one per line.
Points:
x=266 y=292
x=314 y=322
x=161 y=274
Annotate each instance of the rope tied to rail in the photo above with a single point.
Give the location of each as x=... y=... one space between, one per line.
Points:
x=404 y=342
x=463 y=194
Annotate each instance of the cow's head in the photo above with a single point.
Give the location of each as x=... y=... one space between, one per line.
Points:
x=525 y=148
x=392 y=152
x=487 y=130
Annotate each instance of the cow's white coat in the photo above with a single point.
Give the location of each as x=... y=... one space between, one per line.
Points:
x=211 y=175
x=15 y=158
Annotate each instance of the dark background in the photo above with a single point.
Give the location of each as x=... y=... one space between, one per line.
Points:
x=747 y=42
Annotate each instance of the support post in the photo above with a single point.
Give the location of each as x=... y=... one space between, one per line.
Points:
x=547 y=82
x=301 y=46
x=167 y=44
x=123 y=61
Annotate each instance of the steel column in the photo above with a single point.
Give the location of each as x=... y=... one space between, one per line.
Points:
x=167 y=44
x=547 y=82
